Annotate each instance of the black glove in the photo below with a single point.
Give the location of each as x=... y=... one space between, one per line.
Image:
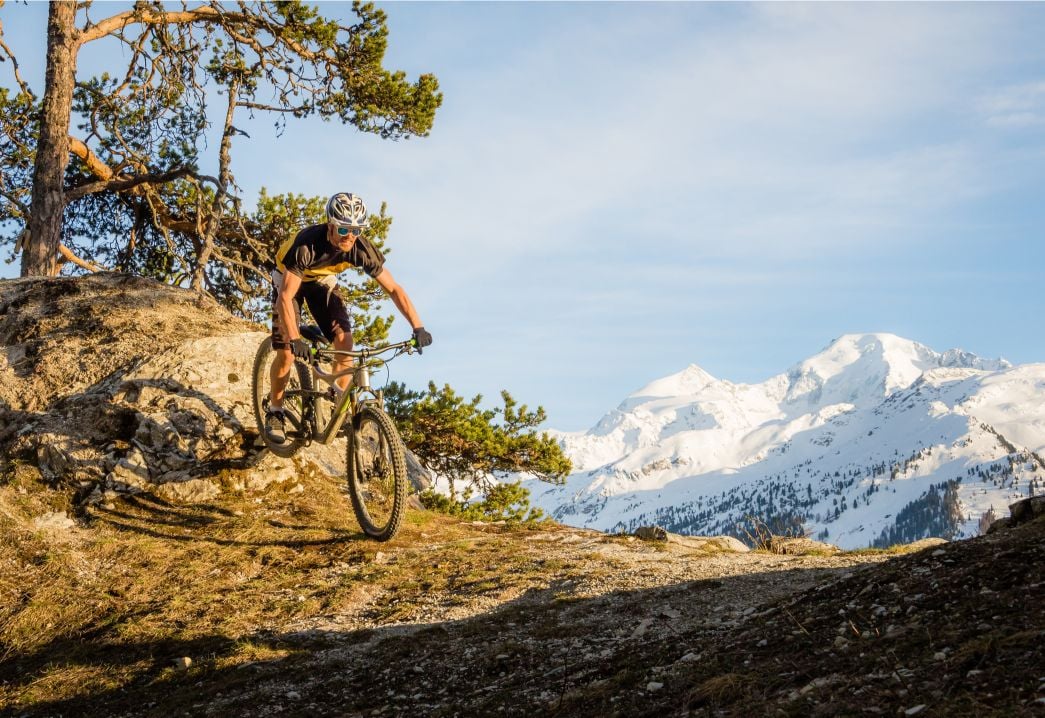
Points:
x=422 y=338
x=301 y=350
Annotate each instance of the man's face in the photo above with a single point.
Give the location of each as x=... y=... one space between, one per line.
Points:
x=343 y=242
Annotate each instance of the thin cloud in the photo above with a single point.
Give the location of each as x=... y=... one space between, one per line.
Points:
x=1016 y=107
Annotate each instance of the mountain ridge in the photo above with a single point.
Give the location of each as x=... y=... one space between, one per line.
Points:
x=865 y=407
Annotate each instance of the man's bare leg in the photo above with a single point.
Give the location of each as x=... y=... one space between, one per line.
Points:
x=279 y=374
x=342 y=343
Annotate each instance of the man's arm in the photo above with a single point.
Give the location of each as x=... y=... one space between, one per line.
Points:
x=399 y=298
x=285 y=306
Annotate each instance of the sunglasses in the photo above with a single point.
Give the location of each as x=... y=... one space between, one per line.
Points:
x=345 y=231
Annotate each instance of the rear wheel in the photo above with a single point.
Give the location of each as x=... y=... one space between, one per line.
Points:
x=376 y=473
x=293 y=401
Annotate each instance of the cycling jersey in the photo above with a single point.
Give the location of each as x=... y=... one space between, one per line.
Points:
x=312 y=257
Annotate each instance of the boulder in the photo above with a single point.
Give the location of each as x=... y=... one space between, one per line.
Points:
x=1027 y=509
x=1019 y=513
x=713 y=543
x=800 y=546
x=651 y=533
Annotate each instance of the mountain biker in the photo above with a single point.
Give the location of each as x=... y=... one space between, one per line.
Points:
x=306 y=268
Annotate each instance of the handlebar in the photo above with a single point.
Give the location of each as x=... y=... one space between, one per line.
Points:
x=404 y=347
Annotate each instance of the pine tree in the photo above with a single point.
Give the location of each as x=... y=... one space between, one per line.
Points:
x=141 y=131
x=471 y=446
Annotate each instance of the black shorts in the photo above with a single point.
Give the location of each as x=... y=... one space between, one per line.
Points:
x=326 y=307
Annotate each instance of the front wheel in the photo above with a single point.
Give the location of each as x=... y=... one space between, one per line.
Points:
x=376 y=473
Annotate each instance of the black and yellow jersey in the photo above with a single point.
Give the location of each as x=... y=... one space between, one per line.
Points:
x=310 y=256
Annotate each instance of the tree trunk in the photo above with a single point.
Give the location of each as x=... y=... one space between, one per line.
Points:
x=40 y=255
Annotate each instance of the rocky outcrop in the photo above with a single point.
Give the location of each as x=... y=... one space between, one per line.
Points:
x=1020 y=513
x=117 y=383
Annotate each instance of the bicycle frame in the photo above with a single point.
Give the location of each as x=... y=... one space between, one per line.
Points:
x=349 y=399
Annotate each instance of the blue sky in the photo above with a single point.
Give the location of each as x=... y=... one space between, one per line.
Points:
x=613 y=191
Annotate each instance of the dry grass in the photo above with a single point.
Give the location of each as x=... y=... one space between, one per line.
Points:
x=719 y=690
x=143 y=582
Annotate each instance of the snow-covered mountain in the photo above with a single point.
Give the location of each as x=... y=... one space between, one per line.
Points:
x=876 y=439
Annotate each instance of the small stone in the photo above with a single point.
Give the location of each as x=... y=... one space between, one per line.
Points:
x=653 y=686
x=939 y=656
x=183 y=663
x=641 y=629
x=939 y=552
x=690 y=657
x=293 y=696
x=841 y=642
x=914 y=710
x=56 y=520
x=762 y=643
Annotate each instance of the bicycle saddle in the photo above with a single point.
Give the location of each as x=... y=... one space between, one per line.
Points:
x=313 y=334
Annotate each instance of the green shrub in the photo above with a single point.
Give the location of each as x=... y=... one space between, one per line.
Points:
x=503 y=502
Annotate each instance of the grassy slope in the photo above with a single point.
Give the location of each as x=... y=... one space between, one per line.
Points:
x=284 y=608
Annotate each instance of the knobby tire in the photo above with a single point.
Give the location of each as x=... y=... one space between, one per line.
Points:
x=377 y=477
x=259 y=389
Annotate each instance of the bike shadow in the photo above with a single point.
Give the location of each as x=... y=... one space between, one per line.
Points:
x=152 y=516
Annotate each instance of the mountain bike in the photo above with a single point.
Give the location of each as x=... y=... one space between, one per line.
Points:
x=375 y=455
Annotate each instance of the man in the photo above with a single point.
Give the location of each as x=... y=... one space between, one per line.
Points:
x=306 y=268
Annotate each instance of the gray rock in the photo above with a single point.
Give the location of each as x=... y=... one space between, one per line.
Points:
x=719 y=543
x=420 y=478
x=130 y=472
x=799 y=546
x=1000 y=525
x=54 y=521
x=640 y=630
x=651 y=533
x=193 y=491
x=1027 y=509
x=270 y=470
x=52 y=458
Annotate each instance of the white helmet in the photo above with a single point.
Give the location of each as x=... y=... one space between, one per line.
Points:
x=347 y=210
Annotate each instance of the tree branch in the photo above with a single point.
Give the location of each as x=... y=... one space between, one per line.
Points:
x=118 y=22
x=117 y=185
x=68 y=255
x=14 y=61
x=94 y=163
